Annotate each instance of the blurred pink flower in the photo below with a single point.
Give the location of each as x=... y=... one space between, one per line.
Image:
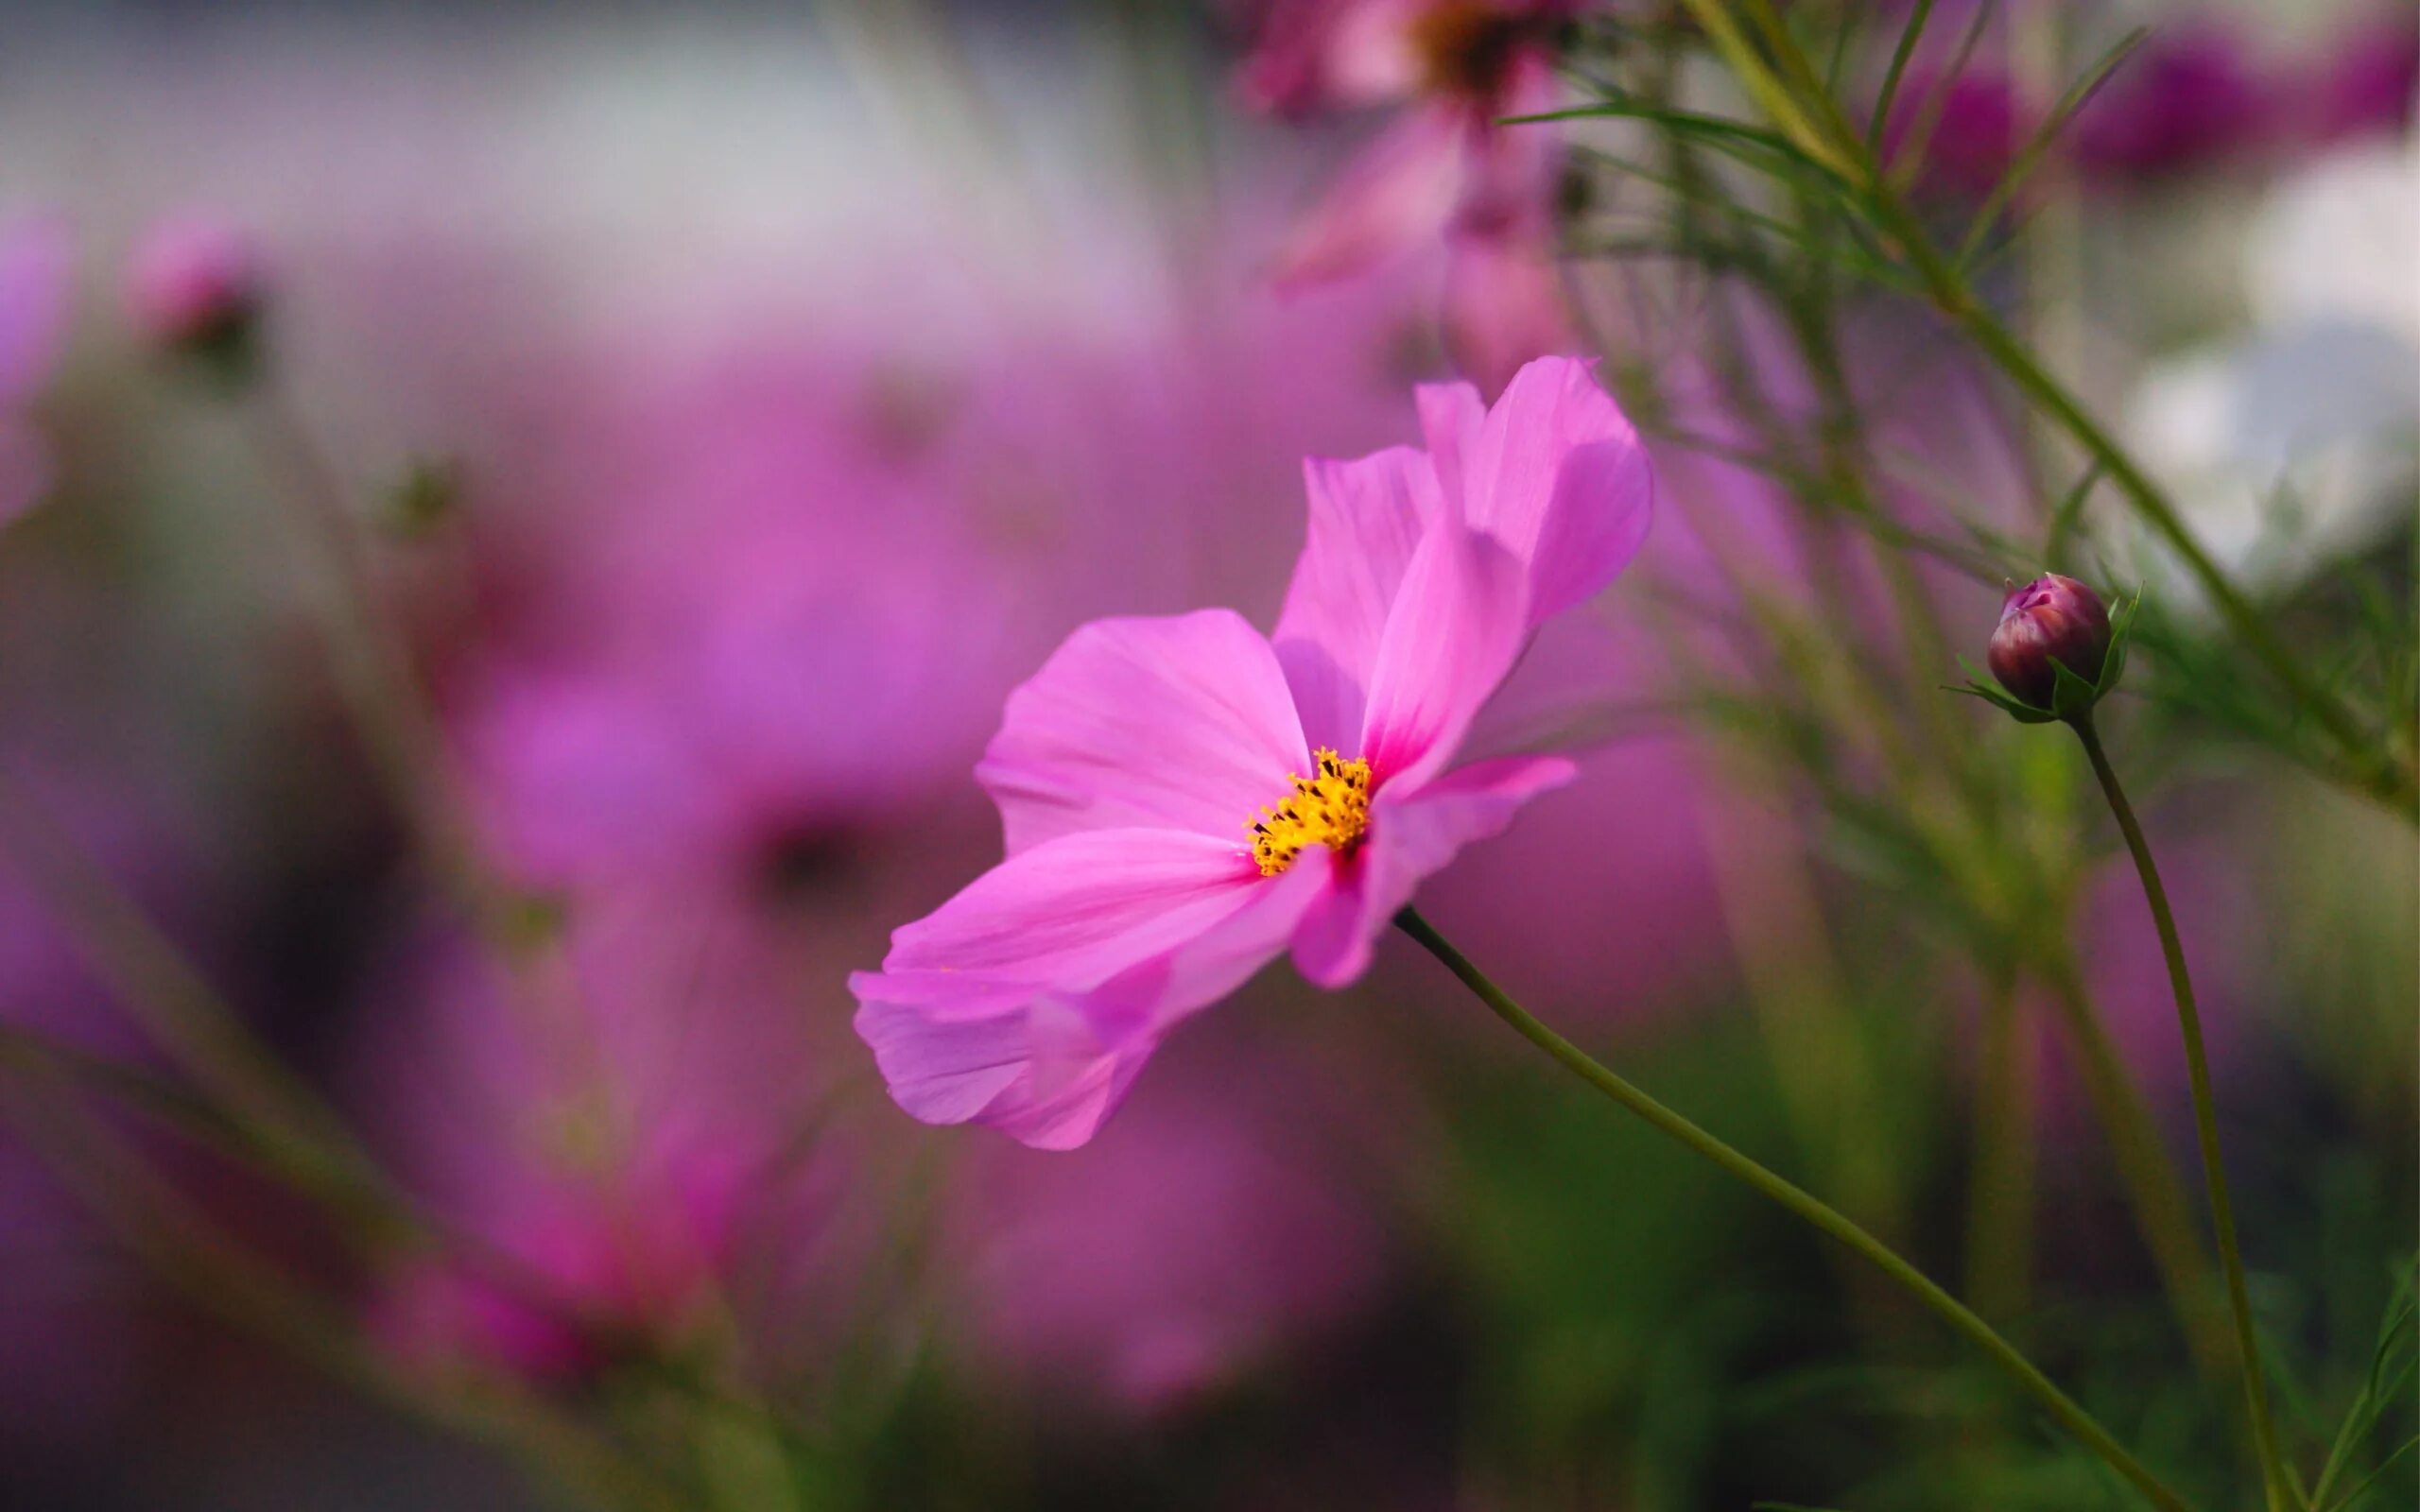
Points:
x=1444 y=170
x=193 y=281
x=615 y=1143
x=1979 y=121
x=1176 y=1253
x=1159 y=778
x=2190 y=98
x=34 y=269
x=2370 y=80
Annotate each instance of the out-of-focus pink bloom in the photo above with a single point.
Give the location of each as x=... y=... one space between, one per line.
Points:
x=193 y=282
x=1980 y=122
x=1443 y=170
x=2370 y=80
x=1174 y=1254
x=2188 y=99
x=579 y=1267
x=1184 y=798
x=608 y=1142
x=34 y=256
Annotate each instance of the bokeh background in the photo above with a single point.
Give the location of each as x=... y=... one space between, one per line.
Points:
x=726 y=407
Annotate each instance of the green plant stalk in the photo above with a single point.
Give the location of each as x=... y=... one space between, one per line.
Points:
x=2205 y=1123
x=367 y=651
x=171 y=1002
x=2155 y=1188
x=1999 y=1214
x=2061 y=1407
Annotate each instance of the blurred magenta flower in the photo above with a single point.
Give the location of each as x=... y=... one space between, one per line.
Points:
x=1207 y=1233
x=2370 y=80
x=1445 y=170
x=194 y=284
x=2190 y=98
x=1980 y=118
x=34 y=269
x=615 y=1145
x=1185 y=798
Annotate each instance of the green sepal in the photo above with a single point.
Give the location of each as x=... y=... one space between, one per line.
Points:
x=1990 y=693
x=2121 y=629
x=2071 y=695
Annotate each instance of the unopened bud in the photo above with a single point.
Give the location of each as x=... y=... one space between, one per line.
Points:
x=2051 y=619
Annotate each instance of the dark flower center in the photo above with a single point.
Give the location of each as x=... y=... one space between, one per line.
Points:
x=1466 y=47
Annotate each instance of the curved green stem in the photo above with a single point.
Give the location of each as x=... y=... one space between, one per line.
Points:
x=1806 y=1204
x=2205 y=1122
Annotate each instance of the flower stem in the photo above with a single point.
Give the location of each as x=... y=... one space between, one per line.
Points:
x=2000 y=1191
x=2205 y=1122
x=1806 y=1204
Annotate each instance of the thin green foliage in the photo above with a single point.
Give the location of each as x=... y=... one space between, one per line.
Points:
x=1909 y=35
x=2029 y=157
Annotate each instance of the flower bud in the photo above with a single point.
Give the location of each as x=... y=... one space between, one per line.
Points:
x=2051 y=619
x=196 y=288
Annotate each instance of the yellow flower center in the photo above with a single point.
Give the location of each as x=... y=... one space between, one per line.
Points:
x=1330 y=808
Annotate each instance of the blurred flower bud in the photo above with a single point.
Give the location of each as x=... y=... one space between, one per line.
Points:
x=196 y=288
x=2051 y=619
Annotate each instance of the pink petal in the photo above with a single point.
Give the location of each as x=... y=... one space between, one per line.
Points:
x=1036 y=1075
x=1182 y=723
x=1366 y=520
x=1066 y=916
x=1452 y=635
x=1413 y=837
x=1559 y=478
x=1397 y=195
x=1048 y=1070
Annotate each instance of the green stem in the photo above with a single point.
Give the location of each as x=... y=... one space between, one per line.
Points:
x=1806 y=1204
x=2001 y=1196
x=2205 y=1122
x=2154 y=1187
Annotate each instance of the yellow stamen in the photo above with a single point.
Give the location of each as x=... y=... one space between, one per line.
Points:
x=1330 y=808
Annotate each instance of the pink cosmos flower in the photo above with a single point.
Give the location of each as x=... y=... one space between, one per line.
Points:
x=1184 y=798
x=33 y=309
x=1445 y=170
